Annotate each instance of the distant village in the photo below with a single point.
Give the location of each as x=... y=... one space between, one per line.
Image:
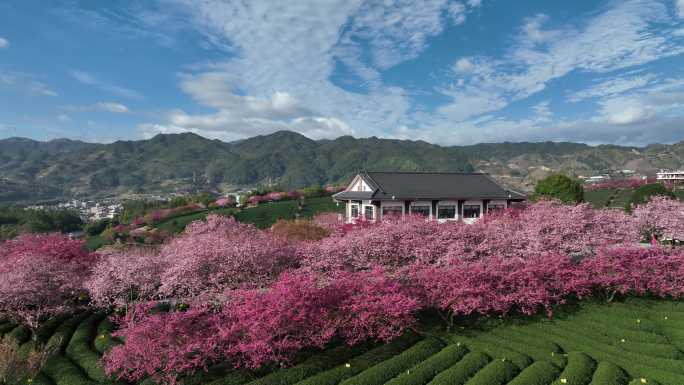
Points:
x=95 y=210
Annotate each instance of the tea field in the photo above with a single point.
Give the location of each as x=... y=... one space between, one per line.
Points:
x=633 y=342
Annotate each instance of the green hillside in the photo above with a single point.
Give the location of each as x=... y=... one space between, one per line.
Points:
x=31 y=170
x=635 y=342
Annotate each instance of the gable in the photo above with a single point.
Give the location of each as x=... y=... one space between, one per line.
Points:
x=359 y=184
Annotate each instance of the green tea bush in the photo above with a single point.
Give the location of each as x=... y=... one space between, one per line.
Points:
x=47 y=329
x=534 y=352
x=20 y=334
x=104 y=341
x=646 y=381
x=520 y=360
x=626 y=340
x=579 y=370
x=498 y=372
x=609 y=374
x=315 y=364
x=63 y=333
x=63 y=371
x=666 y=371
x=422 y=373
x=79 y=349
x=463 y=370
x=539 y=373
x=360 y=363
x=385 y=371
x=6 y=327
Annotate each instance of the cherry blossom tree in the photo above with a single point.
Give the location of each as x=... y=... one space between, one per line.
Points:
x=661 y=217
x=221 y=254
x=42 y=275
x=122 y=277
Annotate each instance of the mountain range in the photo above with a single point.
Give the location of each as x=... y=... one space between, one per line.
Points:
x=59 y=169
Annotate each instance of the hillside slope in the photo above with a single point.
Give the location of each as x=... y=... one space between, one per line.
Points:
x=31 y=170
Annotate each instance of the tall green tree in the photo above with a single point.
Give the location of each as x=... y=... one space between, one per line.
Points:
x=644 y=193
x=560 y=187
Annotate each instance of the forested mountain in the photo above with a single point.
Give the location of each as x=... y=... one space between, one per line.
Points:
x=31 y=170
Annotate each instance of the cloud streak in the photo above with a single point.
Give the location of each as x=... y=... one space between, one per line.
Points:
x=88 y=79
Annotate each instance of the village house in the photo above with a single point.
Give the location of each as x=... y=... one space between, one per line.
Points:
x=445 y=196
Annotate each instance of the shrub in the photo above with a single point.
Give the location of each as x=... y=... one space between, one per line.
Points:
x=579 y=370
x=20 y=367
x=609 y=374
x=560 y=187
x=459 y=373
x=425 y=371
x=104 y=341
x=497 y=352
x=20 y=334
x=362 y=362
x=498 y=372
x=80 y=351
x=317 y=363
x=643 y=380
x=385 y=371
x=539 y=373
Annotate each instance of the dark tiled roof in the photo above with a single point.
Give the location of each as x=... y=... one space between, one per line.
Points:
x=363 y=195
x=433 y=185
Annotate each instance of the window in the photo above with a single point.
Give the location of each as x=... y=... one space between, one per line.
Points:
x=492 y=207
x=355 y=211
x=446 y=212
x=421 y=210
x=392 y=211
x=471 y=211
x=368 y=212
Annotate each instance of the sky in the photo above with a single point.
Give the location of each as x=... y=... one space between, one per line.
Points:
x=450 y=72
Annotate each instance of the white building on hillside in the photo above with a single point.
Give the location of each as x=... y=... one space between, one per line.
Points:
x=435 y=195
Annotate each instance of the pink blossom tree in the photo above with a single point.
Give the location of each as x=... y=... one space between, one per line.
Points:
x=661 y=217
x=221 y=254
x=122 y=277
x=42 y=275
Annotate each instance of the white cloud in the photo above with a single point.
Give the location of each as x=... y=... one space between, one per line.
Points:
x=4 y=43
x=90 y=80
x=457 y=12
x=116 y=108
x=64 y=118
x=113 y=107
x=680 y=8
x=464 y=66
x=614 y=86
x=619 y=38
x=25 y=83
x=284 y=55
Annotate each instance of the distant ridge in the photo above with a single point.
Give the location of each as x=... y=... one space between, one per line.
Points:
x=64 y=168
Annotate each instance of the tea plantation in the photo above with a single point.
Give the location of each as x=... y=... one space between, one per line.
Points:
x=633 y=342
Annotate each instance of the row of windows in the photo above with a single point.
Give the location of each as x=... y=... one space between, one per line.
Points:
x=443 y=211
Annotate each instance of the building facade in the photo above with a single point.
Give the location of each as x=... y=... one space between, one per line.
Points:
x=443 y=196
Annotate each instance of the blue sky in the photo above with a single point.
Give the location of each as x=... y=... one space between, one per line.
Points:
x=444 y=71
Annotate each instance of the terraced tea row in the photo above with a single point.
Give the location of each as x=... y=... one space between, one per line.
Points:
x=636 y=342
